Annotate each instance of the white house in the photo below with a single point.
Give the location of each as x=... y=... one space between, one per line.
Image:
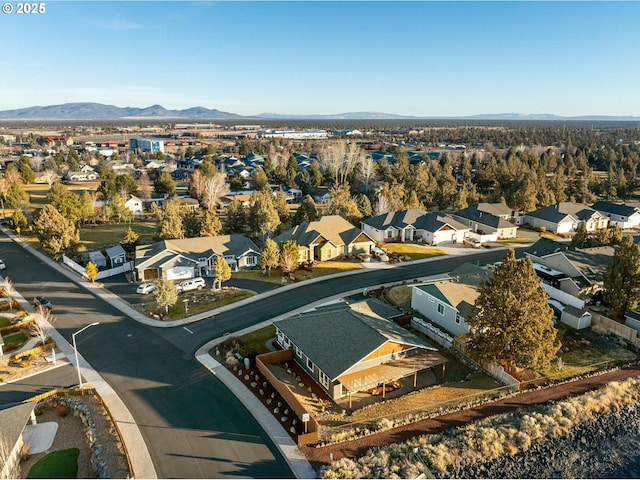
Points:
x=485 y=226
x=134 y=204
x=415 y=225
x=564 y=217
x=625 y=216
x=448 y=303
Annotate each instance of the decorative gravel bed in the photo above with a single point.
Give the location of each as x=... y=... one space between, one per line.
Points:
x=87 y=426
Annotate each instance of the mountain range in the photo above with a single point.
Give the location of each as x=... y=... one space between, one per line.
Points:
x=99 y=111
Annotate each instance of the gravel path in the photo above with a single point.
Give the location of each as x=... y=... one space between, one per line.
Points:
x=356 y=448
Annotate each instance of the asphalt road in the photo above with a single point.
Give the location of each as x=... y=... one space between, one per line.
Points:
x=192 y=424
x=63 y=376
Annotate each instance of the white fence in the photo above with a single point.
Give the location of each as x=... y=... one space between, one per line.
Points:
x=498 y=372
x=76 y=267
x=434 y=333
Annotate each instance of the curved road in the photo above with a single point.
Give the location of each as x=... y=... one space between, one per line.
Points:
x=192 y=424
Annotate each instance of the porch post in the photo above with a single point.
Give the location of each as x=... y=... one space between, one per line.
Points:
x=384 y=389
x=349 y=400
x=415 y=379
x=443 y=366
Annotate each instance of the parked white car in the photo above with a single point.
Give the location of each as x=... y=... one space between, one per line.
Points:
x=197 y=283
x=2 y=265
x=146 y=288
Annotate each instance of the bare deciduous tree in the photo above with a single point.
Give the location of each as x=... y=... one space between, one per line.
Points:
x=214 y=188
x=197 y=184
x=341 y=158
x=50 y=176
x=42 y=325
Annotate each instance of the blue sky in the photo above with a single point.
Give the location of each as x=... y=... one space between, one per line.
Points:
x=415 y=58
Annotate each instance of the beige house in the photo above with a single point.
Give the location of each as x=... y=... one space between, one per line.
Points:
x=327 y=238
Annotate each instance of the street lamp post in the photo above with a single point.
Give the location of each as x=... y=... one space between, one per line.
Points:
x=73 y=337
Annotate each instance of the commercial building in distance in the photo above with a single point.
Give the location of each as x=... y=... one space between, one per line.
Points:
x=146 y=145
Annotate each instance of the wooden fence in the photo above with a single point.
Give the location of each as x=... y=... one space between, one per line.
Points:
x=63 y=392
x=605 y=325
x=36 y=350
x=493 y=369
x=313 y=433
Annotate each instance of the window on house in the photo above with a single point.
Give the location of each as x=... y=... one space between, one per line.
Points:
x=298 y=352
x=310 y=364
x=324 y=380
x=441 y=309
x=251 y=260
x=458 y=319
x=389 y=233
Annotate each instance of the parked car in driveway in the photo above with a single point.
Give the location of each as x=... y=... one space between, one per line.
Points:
x=2 y=265
x=146 y=288
x=197 y=283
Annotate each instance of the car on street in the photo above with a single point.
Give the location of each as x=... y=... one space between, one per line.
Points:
x=2 y=265
x=197 y=283
x=42 y=304
x=146 y=288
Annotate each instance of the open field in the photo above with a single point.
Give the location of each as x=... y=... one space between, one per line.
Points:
x=95 y=236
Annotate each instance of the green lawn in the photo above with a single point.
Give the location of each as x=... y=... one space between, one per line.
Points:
x=16 y=338
x=4 y=322
x=551 y=236
x=108 y=234
x=60 y=464
x=416 y=252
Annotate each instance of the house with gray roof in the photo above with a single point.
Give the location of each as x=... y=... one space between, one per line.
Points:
x=564 y=217
x=485 y=226
x=583 y=269
x=449 y=303
x=415 y=225
x=327 y=238
x=350 y=348
x=191 y=257
x=621 y=214
x=13 y=421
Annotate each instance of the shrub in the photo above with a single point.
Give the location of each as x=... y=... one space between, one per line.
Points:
x=62 y=410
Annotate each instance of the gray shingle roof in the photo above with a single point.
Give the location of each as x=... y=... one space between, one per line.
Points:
x=559 y=211
x=195 y=248
x=335 y=339
x=615 y=208
x=472 y=213
x=400 y=219
x=546 y=246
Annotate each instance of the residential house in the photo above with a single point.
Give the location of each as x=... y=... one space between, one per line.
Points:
x=350 y=348
x=327 y=238
x=485 y=226
x=414 y=225
x=191 y=257
x=581 y=270
x=502 y=211
x=620 y=214
x=321 y=194
x=81 y=176
x=15 y=433
x=135 y=206
x=449 y=303
x=564 y=217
